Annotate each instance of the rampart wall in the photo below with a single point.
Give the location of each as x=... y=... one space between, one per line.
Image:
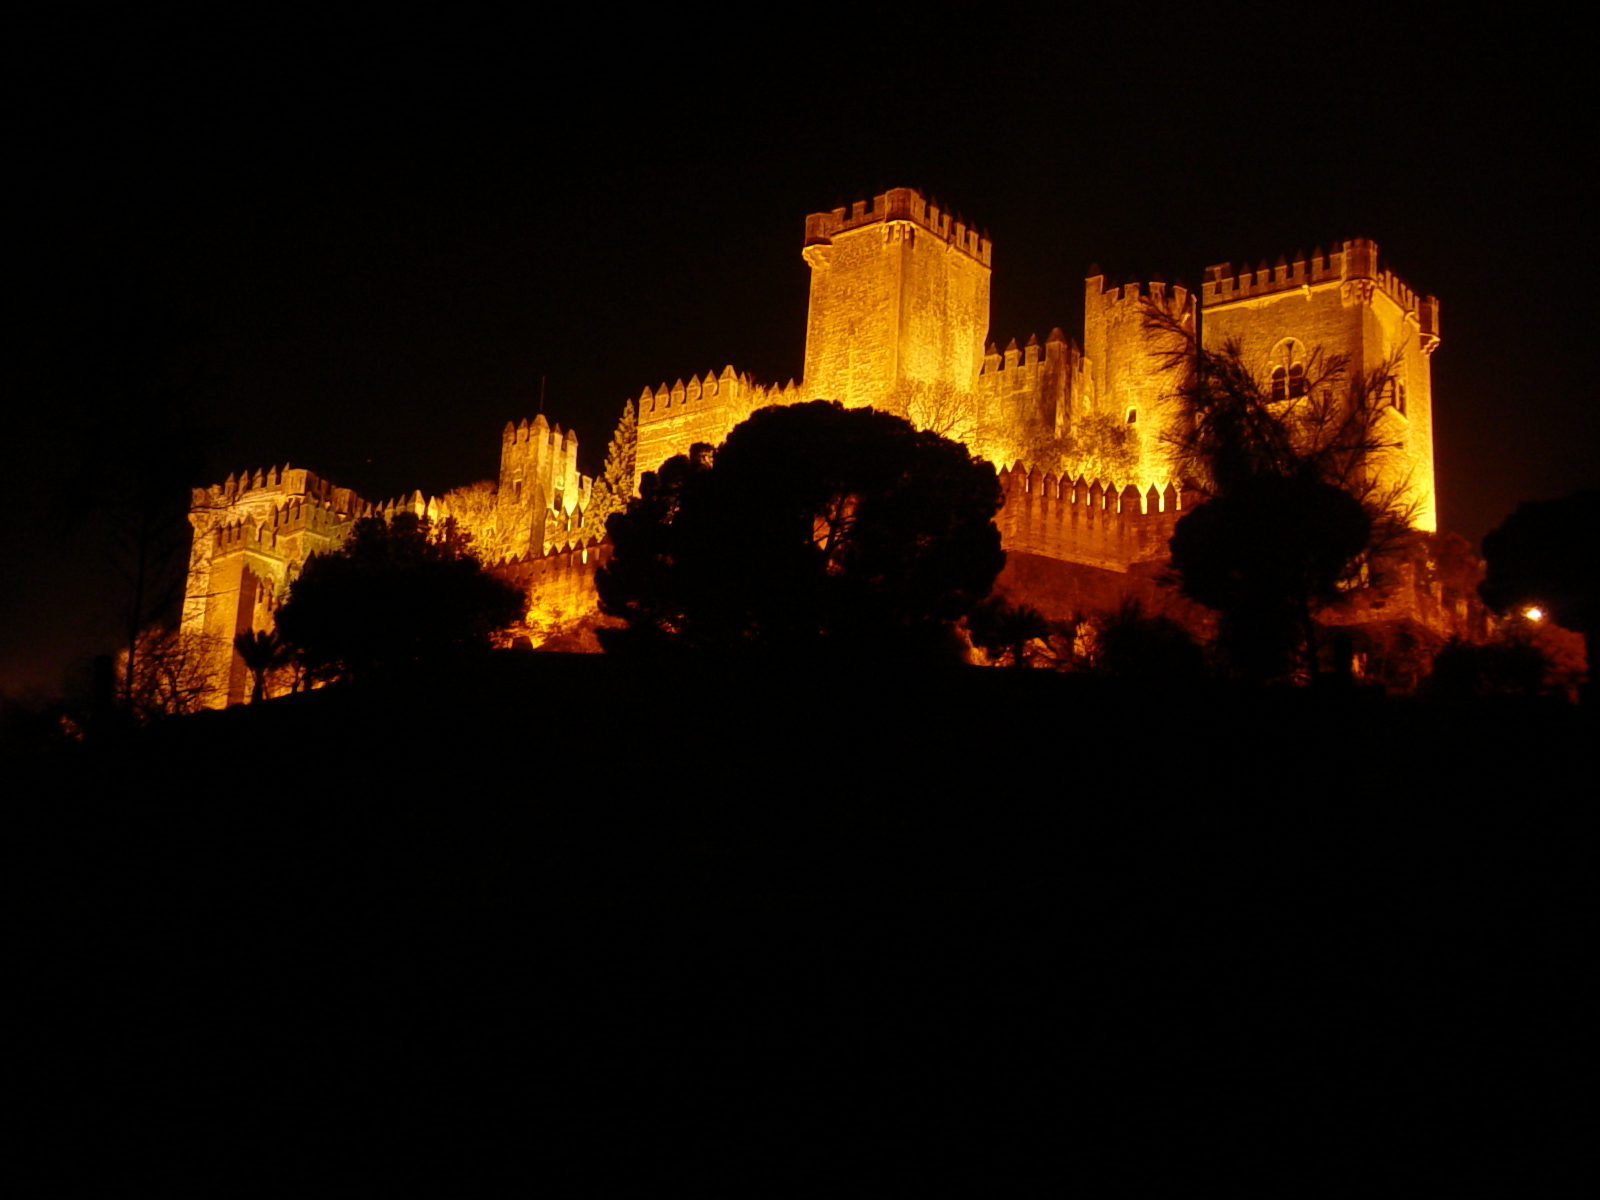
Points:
x=671 y=419
x=1032 y=391
x=1093 y=523
x=559 y=584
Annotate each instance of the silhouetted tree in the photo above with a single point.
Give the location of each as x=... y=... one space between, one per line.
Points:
x=1002 y=630
x=614 y=488
x=1297 y=511
x=260 y=652
x=1505 y=667
x=1264 y=557
x=392 y=597
x=1545 y=555
x=1131 y=643
x=818 y=530
x=169 y=674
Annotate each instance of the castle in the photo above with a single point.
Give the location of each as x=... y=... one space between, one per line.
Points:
x=898 y=319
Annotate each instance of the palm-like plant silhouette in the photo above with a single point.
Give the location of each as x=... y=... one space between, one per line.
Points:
x=261 y=652
x=998 y=629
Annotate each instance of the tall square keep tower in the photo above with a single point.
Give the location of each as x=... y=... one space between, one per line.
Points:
x=899 y=294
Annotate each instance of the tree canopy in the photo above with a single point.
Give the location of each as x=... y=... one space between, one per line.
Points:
x=395 y=595
x=1263 y=557
x=814 y=529
x=1544 y=555
x=1297 y=510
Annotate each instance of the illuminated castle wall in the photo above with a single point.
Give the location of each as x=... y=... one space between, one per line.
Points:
x=899 y=293
x=899 y=313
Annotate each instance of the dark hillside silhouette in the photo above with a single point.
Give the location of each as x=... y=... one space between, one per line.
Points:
x=1032 y=888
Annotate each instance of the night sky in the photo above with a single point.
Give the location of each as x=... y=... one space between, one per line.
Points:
x=370 y=248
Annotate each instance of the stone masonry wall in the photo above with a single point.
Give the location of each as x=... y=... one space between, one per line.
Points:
x=899 y=291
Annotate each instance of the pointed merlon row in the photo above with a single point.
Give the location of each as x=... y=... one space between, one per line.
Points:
x=710 y=386
x=523 y=430
x=1055 y=346
x=1174 y=300
x=1357 y=258
x=1019 y=480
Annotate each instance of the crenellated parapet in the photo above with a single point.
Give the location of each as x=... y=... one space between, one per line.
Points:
x=1353 y=267
x=1132 y=300
x=1092 y=522
x=1029 y=392
x=559 y=582
x=271 y=487
x=672 y=418
x=900 y=205
x=252 y=534
x=538 y=458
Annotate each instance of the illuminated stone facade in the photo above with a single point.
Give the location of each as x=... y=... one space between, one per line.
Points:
x=898 y=318
x=899 y=293
x=1342 y=303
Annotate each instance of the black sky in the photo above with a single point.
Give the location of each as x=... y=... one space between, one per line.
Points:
x=371 y=245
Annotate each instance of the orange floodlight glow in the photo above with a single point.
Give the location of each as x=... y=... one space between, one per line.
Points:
x=1533 y=613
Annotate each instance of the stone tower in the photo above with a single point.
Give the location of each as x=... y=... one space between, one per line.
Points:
x=1341 y=303
x=899 y=293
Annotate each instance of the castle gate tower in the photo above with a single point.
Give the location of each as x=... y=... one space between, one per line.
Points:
x=899 y=293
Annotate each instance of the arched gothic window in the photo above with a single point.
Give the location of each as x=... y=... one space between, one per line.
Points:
x=1288 y=360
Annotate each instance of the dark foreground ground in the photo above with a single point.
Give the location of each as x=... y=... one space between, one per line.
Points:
x=580 y=897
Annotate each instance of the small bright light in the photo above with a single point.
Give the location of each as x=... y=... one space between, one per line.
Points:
x=1534 y=614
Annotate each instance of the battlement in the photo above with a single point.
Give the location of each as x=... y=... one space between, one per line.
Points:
x=1086 y=521
x=1098 y=495
x=711 y=388
x=1355 y=260
x=1056 y=348
x=525 y=432
x=900 y=204
x=1175 y=299
x=387 y=510
x=265 y=485
x=560 y=575
x=297 y=515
